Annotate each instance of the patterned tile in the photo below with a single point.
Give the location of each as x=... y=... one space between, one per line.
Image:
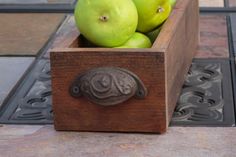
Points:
x=26 y=34
x=213 y=37
x=32 y=101
x=11 y=69
x=207 y=95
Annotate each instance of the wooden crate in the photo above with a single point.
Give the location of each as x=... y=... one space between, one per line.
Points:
x=161 y=69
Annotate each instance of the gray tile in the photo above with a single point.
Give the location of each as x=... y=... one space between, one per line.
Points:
x=11 y=69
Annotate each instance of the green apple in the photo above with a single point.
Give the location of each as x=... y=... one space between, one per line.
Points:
x=151 y=13
x=138 y=40
x=153 y=34
x=106 y=23
x=172 y=3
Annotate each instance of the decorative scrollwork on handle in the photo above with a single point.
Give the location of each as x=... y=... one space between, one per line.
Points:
x=108 y=86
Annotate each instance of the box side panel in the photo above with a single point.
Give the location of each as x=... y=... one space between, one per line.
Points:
x=134 y=115
x=180 y=52
x=170 y=27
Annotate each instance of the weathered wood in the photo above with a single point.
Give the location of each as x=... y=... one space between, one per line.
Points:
x=161 y=68
x=179 y=47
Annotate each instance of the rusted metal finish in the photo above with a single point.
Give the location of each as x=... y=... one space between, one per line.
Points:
x=108 y=86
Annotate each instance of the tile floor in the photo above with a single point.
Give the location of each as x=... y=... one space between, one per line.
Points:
x=211 y=3
x=25 y=34
x=12 y=69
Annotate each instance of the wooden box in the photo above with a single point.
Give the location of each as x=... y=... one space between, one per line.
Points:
x=160 y=69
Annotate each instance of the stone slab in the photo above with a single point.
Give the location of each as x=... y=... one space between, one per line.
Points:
x=211 y=3
x=41 y=141
x=26 y=34
x=213 y=37
x=232 y=3
x=11 y=69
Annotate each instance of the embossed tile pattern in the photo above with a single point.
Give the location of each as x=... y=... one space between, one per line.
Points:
x=12 y=69
x=213 y=37
x=206 y=98
x=26 y=34
x=32 y=103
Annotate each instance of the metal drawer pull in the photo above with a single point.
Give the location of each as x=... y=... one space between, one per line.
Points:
x=108 y=86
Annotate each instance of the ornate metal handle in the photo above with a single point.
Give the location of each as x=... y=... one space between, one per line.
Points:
x=108 y=86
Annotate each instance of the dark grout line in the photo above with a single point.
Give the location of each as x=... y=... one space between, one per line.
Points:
x=217 y=10
x=15 y=55
x=230 y=37
x=37 y=8
x=226 y=3
x=232 y=60
x=69 y=8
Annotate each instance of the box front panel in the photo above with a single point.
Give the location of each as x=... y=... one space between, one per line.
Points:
x=133 y=115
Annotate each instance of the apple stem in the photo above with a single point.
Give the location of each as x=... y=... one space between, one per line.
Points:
x=160 y=9
x=103 y=18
